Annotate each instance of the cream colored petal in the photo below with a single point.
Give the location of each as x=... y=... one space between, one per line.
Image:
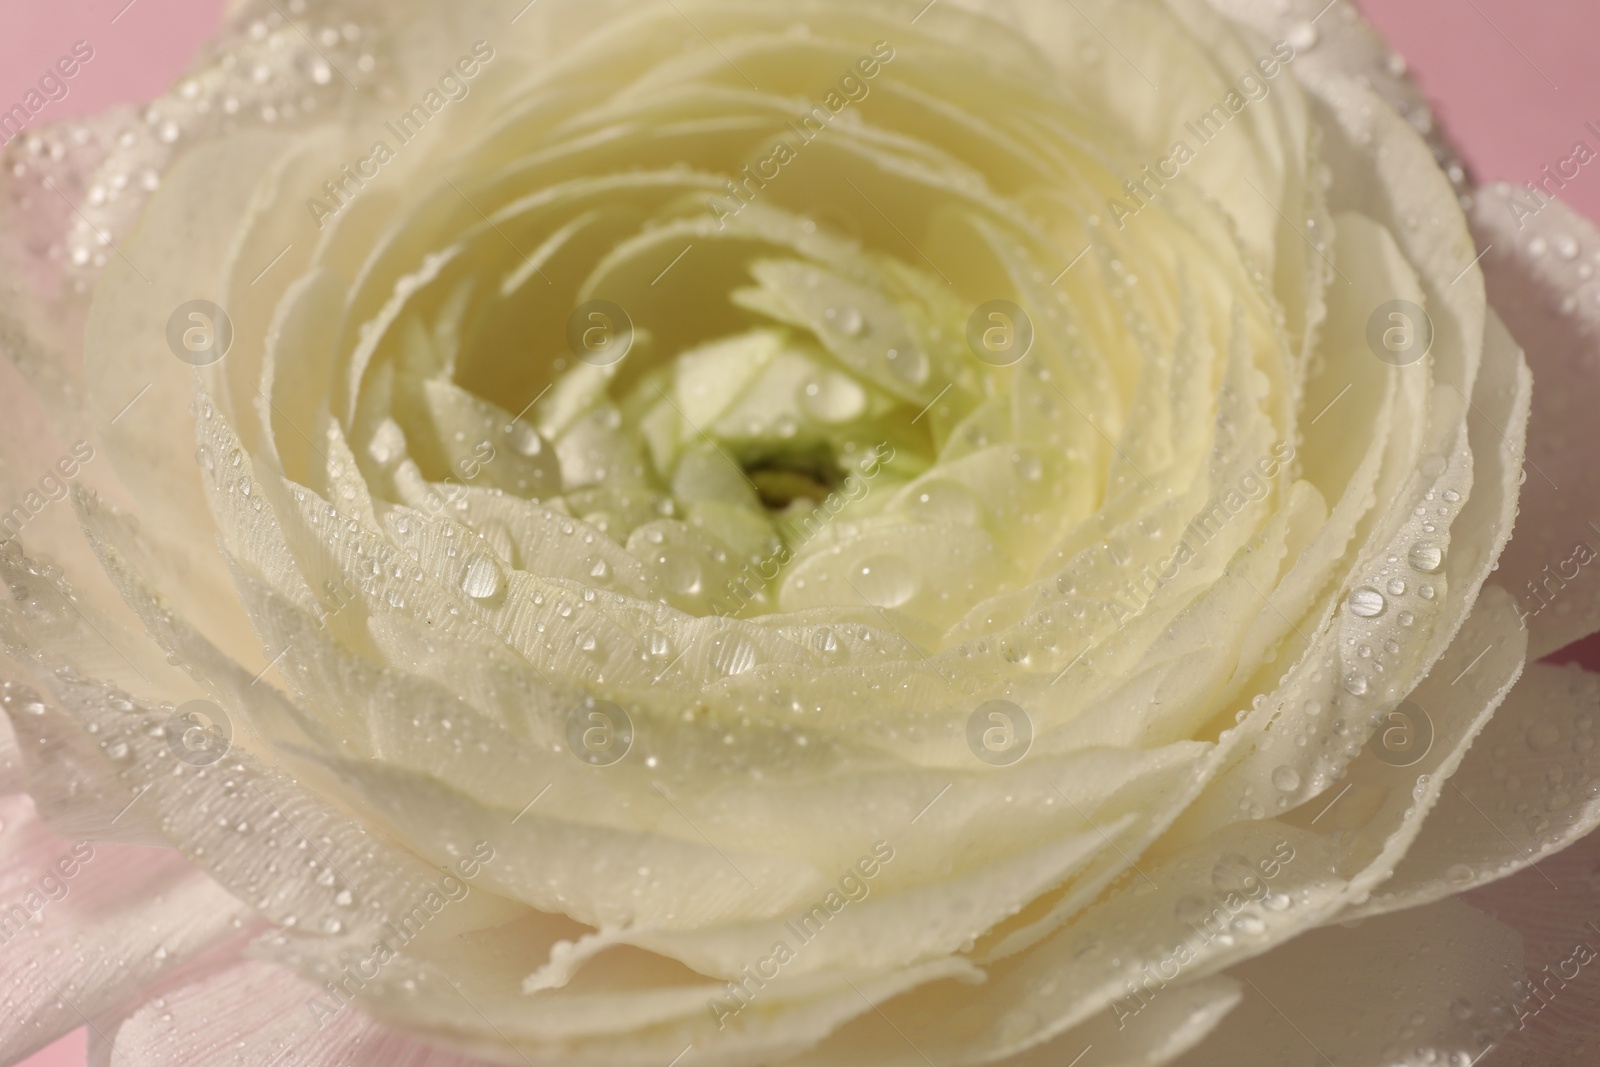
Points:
x=1537 y=285
x=85 y=926
x=1525 y=792
x=1429 y=985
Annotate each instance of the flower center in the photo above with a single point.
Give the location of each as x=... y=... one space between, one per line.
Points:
x=889 y=361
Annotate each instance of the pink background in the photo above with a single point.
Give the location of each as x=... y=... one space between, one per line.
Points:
x=1513 y=80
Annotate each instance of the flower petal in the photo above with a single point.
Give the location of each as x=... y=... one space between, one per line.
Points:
x=84 y=926
x=1529 y=787
x=1429 y=985
x=256 y=1014
x=1536 y=263
x=1553 y=909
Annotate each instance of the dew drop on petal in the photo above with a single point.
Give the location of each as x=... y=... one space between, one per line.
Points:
x=910 y=365
x=525 y=439
x=1426 y=557
x=1367 y=602
x=481 y=578
x=1302 y=35
x=681 y=574
x=884 y=581
x=1542 y=736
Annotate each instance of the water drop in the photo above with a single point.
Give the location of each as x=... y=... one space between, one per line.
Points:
x=1426 y=557
x=884 y=581
x=833 y=398
x=525 y=439
x=909 y=365
x=481 y=578
x=1542 y=736
x=1367 y=602
x=681 y=574
x=1303 y=36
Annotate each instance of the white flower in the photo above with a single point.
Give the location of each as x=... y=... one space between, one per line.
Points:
x=832 y=533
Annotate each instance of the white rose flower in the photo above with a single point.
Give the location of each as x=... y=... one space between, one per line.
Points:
x=828 y=533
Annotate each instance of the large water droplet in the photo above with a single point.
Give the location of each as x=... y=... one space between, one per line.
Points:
x=481 y=578
x=681 y=574
x=525 y=439
x=908 y=364
x=833 y=398
x=1367 y=602
x=884 y=581
x=1543 y=735
x=1426 y=557
x=1286 y=779
x=1303 y=35
x=734 y=657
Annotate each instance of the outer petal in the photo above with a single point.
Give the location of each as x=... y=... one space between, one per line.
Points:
x=75 y=945
x=1539 y=268
x=1559 y=1021
x=1529 y=787
x=1432 y=985
x=253 y=1014
x=1172 y=1026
